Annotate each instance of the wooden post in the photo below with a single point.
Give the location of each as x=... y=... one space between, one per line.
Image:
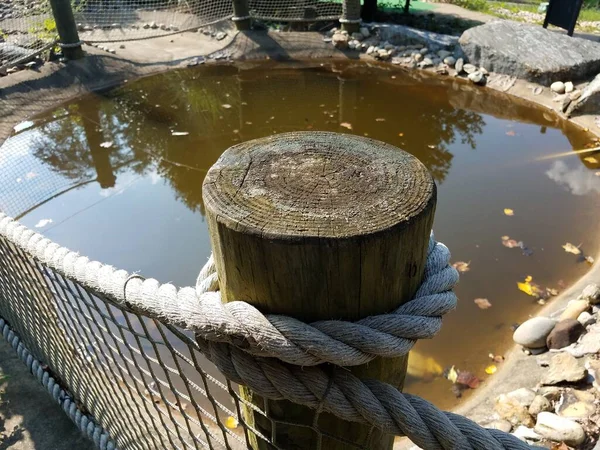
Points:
x=67 y=29
x=241 y=15
x=350 y=19
x=318 y=226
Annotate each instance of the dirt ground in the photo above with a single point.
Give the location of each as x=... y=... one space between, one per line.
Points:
x=29 y=418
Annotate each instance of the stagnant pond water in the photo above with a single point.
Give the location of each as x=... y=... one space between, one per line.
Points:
x=136 y=157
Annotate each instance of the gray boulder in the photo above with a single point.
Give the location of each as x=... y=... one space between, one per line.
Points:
x=530 y=52
x=533 y=332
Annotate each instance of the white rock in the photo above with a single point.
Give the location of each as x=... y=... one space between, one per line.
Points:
x=389 y=46
x=424 y=51
x=484 y=71
x=559 y=429
x=444 y=53
x=591 y=293
x=585 y=319
x=371 y=50
x=574 y=308
x=357 y=36
x=539 y=404
x=459 y=66
x=469 y=68
x=533 y=332
x=525 y=433
x=522 y=396
x=450 y=60
x=477 y=77
x=558 y=87
x=220 y=36
x=569 y=87
x=418 y=57
x=588 y=344
x=365 y=32
x=500 y=424
x=427 y=62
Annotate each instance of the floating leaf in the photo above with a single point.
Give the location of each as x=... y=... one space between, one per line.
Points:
x=510 y=243
x=468 y=379
x=42 y=223
x=589 y=260
x=505 y=238
x=496 y=358
x=462 y=266
x=179 y=133
x=509 y=212
x=491 y=369
x=531 y=288
x=231 y=422
x=431 y=146
x=420 y=366
x=226 y=105
x=400 y=134
x=379 y=119
x=107 y=144
x=452 y=374
x=511 y=133
x=346 y=125
x=483 y=303
x=591 y=159
x=570 y=248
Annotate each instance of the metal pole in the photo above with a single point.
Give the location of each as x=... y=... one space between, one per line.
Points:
x=67 y=29
x=350 y=19
x=241 y=15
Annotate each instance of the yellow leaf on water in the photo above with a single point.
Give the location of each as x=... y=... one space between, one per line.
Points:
x=226 y=106
x=591 y=159
x=400 y=134
x=346 y=125
x=505 y=238
x=589 y=260
x=525 y=287
x=509 y=212
x=570 y=248
x=462 y=266
x=491 y=369
x=452 y=374
x=597 y=174
x=231 y=422
x=420 y=366
x=528 y=279
x=379 y=119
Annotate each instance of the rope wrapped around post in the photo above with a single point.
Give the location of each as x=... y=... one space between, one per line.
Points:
x=278 y=356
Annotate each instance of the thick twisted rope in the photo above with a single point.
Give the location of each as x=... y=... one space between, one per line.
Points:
x=242 y=325
x=265 y=352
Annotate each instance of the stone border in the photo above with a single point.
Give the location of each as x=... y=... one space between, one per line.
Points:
x=27 y=93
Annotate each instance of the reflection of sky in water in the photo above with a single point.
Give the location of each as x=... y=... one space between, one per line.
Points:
x=578 y=180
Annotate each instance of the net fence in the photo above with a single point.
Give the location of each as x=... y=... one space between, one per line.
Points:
x=28 y=28
x=144 y=381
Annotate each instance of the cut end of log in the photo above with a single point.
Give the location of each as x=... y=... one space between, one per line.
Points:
x=317 y=184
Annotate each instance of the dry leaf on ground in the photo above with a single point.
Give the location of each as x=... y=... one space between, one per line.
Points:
x=231 y=422
x=483 y=303
x=462 y=266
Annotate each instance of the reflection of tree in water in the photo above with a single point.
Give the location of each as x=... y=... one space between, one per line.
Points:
x=218 y=111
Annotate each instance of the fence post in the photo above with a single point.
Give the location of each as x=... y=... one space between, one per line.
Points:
x=350 y=19
x=67 y=29
x=318 y=226
x=241 y=14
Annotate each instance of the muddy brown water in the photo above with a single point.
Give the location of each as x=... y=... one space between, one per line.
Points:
x=118 y=177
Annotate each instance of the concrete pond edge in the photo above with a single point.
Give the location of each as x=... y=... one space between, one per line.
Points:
x=31 y=92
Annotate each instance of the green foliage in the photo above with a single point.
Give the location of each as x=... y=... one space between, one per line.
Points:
x=44 y=29
x=473 y=5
